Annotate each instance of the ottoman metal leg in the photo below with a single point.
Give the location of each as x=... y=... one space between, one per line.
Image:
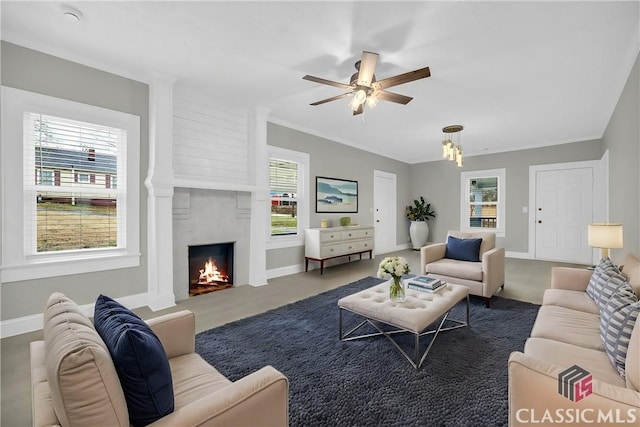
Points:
x=418 y=359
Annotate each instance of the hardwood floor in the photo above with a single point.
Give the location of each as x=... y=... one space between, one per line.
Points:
x=525 y=280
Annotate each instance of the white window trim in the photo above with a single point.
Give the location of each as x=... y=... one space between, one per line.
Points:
x=464 y=200
x=16 y=265
x=303 y=195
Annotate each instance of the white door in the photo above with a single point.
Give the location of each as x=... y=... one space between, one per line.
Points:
x=384 y=215
x=563 y=210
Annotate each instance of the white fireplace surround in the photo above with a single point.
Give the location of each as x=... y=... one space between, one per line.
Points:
x=202 y=217
x=204 y=165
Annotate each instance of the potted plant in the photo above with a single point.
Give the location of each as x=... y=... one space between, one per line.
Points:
x=419 y=213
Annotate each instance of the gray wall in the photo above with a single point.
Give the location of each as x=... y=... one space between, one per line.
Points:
x=37 y=72
x=439 y=183
x=331 y=159
x=622 y=139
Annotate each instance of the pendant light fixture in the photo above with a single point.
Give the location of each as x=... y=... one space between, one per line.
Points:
x=450 y=150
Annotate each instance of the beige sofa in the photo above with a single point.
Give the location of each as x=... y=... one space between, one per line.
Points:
x=74 y=381
x=483 y=278
x=566 y=333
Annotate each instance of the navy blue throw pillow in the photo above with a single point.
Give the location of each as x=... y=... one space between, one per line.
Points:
x=463 y=249
x=140 y=360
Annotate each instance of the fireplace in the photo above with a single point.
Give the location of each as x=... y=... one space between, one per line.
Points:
x=210 y=267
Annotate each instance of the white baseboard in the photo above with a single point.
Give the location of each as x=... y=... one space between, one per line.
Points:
x=159 y=302
x=31 y=323
x=519 y=255
x=285 y=271
x=395 y=249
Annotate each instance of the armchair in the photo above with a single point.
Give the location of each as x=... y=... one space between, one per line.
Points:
x=483 y=277
x=74 y=381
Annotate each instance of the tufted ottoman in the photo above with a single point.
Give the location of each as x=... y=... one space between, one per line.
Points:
x=414 y=315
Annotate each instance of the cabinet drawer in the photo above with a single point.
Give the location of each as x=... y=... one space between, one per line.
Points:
x=365 y=234
x=332 y=236
x=349 y=234
x=356 y=234
x=365 y=245
x=360 y=245
x=328 y=251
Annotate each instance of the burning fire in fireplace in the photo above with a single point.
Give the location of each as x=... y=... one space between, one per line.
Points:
x=210 y=274
x=210 y=267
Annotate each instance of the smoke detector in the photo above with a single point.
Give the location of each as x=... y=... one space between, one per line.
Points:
x=71 y=13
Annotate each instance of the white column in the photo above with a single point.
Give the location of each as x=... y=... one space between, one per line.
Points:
x=159 y=183
x=259 y=176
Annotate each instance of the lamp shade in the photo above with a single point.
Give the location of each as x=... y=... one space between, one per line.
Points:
x=607 y=236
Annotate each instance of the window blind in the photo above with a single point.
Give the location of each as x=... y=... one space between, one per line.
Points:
x=283 y=177
x=70 y=173
x=283 y=181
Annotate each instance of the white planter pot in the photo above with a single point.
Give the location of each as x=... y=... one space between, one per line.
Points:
x=419 y=232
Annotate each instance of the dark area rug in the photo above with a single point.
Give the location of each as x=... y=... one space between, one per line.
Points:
x=463 y=381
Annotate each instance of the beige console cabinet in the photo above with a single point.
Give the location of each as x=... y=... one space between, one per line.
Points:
x=322 y=244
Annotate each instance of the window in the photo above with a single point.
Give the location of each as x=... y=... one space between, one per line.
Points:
x=288 y=200
x=483 y=201
x=283 y=182
x=75 y=215
x=44 y=177
x=71 y=211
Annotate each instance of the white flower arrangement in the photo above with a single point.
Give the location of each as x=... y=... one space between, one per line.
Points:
x=393 y=266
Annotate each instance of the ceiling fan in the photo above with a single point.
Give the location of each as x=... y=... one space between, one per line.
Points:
x=364 y=87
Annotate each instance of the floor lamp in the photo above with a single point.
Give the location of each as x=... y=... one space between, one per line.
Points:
x=605 y=237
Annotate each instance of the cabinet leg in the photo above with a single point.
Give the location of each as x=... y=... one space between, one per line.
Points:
x=306 y=265
x=321 y=267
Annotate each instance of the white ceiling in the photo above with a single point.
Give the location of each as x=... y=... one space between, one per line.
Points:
x=514 y=74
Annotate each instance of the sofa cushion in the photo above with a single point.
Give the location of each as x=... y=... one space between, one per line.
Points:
x=193 y=378
x=605 y=280
x=82 y=379
x=630 y=269
x=616 y=324
x=569 y=326
x=463 y=249
x=575 y=300
x=458 y=269
x=140 y=361
x=565 y=355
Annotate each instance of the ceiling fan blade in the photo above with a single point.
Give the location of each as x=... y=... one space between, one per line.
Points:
x=333 y=98
x=393 y=97
x=402 y=78
x=359 y=110
x=327 y=82
x=367 y=67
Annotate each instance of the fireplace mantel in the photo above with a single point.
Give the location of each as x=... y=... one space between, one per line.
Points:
x=217 y=185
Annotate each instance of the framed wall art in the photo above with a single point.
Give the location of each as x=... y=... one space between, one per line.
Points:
x=336 y=195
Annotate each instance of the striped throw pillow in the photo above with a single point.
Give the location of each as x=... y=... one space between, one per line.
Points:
x=617 y=320
x=605 y=280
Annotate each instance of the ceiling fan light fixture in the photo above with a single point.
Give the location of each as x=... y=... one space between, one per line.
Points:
x=360 y=96
x=364 y=87
x=354 y=104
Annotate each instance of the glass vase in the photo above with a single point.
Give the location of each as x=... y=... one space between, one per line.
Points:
x=396 y=290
